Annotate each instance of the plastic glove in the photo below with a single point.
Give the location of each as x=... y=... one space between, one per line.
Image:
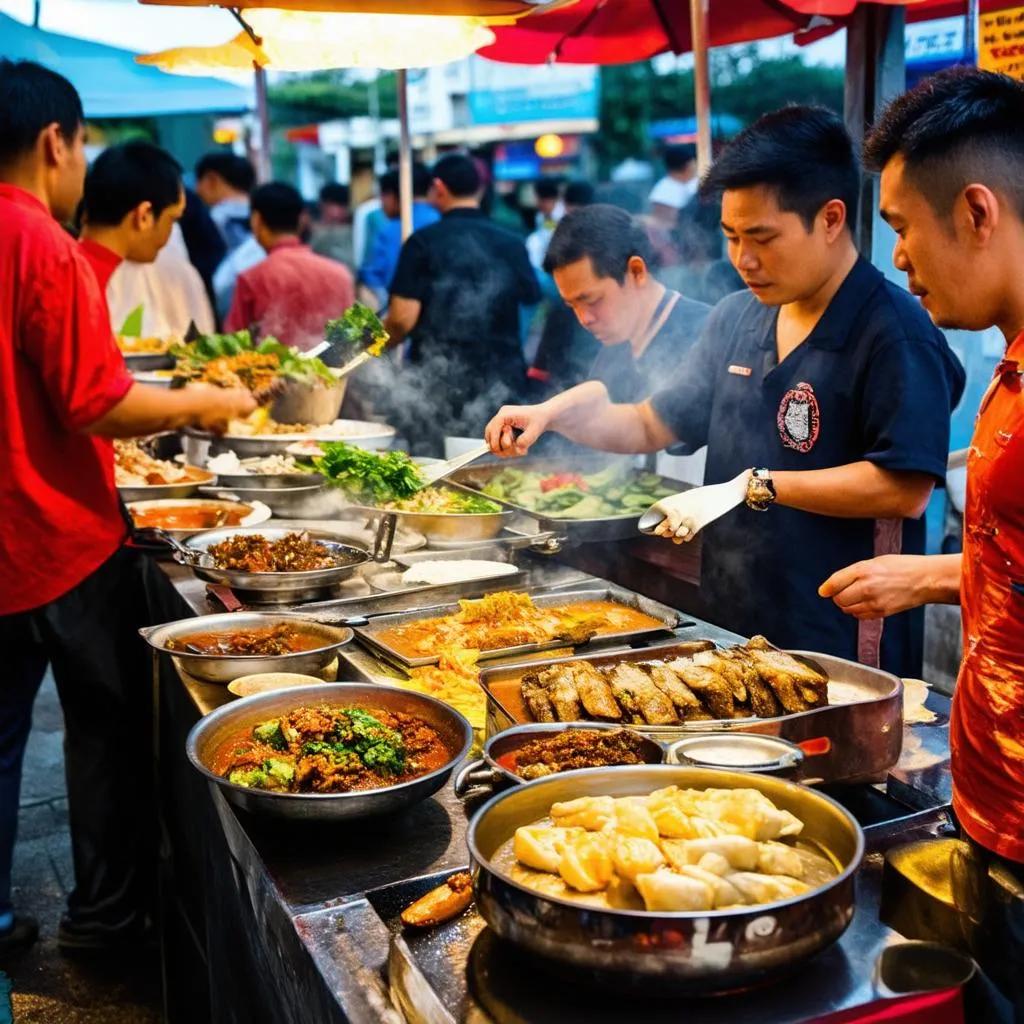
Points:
x=682 y=516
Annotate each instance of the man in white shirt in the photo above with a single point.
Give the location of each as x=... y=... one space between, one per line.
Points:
x=678 y=186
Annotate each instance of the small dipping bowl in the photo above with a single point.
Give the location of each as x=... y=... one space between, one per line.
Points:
x=268 y=682
x=743 y=752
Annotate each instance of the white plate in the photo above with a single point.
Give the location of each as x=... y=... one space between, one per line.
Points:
x=267 y=682
x=259 y=514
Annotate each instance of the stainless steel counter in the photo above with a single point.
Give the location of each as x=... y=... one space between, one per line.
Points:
x=290 y=903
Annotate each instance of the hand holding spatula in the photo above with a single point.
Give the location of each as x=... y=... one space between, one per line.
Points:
x=682 y=516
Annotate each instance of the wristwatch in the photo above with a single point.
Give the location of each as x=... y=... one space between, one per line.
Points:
x=760 y=490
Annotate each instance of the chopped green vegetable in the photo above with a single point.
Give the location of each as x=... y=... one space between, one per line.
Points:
x=372 y=477
x=443 y=500
x=254 y=777
x=280 y=772
x=132 y=326
x=271 y=734
x=293 y=364
x=358 y=328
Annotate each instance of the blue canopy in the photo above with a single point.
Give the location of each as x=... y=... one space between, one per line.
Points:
x=723 y=126
x=109 y=81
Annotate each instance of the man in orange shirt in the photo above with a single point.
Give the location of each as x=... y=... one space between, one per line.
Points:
x=72 y=595
x=951 y=156
x=294 y=292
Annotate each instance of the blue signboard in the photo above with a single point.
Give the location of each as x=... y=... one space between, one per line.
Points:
x=530 y=103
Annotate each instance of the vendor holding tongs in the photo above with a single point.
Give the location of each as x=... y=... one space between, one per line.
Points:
x=823 y=395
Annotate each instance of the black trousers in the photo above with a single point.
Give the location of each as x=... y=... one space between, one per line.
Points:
x=103 y=672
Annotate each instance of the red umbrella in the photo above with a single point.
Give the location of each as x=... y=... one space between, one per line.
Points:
x=623 y=31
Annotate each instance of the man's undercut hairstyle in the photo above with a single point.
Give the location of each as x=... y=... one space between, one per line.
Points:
x=959 y=126
x=608 y=235
x=387 y=183
x=458 y=174
x=803 y=154
x=579 y=193
x=32 y=98
x=546 y=188
x=680 y=156
x=126 y=176
x=280 y=206
x=336 y=193
x=235 y=170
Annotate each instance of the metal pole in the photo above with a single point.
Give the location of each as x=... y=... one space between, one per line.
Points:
x=37 y=10
x=971 y=32
x=404 y=156
x=701 y=81
x=263 y=116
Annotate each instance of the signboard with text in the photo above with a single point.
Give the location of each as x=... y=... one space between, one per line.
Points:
x=1001 y=41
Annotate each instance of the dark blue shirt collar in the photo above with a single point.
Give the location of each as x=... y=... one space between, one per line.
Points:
x=832 y=331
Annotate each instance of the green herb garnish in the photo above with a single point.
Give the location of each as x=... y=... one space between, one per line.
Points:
x=371 y=477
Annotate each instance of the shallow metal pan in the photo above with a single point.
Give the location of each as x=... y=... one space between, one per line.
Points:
x=608 y=528
x=280 y=584
x=225 y=668
x=857 y=740
x=669 y=618
x=643 y=951
x=211 y=730
x=154 y=492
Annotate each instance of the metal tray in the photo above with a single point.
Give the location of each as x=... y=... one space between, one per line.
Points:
x=669 y=618
x=857 y=739
x=608 y=528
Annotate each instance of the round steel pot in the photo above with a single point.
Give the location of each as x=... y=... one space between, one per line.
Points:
x=148 y=360
x=211 y=730
x=448 y=528
x=309 y=501
x=282 y=585
x=487 y=774
x=261 y=481
x=224 y=668
x=298 y=402
x=738 y=752
x=712 y=951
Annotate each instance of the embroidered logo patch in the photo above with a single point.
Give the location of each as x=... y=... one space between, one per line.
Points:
x=740 y=371
x=799 y=418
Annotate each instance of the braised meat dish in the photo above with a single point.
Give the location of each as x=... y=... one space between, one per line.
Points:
x=252 y=552
x=321 y=749
x=741 y=682
x=575 y=748
x=263 y=640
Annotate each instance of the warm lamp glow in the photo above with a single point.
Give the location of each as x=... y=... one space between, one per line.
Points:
x=549 y=146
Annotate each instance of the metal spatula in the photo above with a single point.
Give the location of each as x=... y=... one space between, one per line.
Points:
x=694 y=509
x=431 y=474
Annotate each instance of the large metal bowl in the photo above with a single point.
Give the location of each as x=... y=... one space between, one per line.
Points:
x=358 y=433
x=448 y=528
x=309 y=501
x=210 y=732
x=298 y=402
x=148 y=360
x=156 y=492
x=296 y=586
x=697 y=951
x=225 y=668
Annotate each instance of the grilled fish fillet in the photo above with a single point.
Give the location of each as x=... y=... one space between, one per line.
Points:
x=537 y=699
x=715 y=691
x=595 y=693
x=640 y=697
x=686 y=702
x=797 y=686
x=562 y=693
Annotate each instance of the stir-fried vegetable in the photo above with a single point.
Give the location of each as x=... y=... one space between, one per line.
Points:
x=292 y=364
x=358 y=328
x=438 y=499
x=372 y=477
x=615 y=491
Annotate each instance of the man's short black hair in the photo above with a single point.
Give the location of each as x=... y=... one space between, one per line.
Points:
x=421 y=179
x=458 y=174
x=235 y=170
x=607 y=234
x=123 y=177
x=546 y=188
x=31 y=98
x=679 y=156
x=959 y=126
x=578 y=193
x=280 y=206
x=803 y=154
x=336 y=193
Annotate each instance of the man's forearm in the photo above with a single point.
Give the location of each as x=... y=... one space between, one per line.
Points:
x=941 y=579
x=859 y=490
x=586 y=415
x=149 y=410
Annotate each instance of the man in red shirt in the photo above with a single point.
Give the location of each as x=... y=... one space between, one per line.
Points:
x=951 y=156
x=133 y=198
x=294 y=292
x=71 y=594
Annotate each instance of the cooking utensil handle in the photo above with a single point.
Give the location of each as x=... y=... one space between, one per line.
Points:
x=144 y=533
x=434 y=473
x=385 y=538
x=475 y=775
x=550 y=542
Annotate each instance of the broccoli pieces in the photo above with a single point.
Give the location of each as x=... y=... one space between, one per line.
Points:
x=271 y=734
x=251 y=776
x=281 y=773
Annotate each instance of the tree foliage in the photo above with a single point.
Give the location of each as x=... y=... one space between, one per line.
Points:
x=743 y=83
x=328 y=94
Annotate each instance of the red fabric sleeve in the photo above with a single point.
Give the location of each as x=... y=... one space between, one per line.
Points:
x=241 y=315
x=67 y=336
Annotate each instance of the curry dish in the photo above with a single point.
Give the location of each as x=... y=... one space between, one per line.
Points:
x=282 y=638
x=321 y=749
x=572 y=749
x=671 y=850
x=190 y=516
x=511 y=620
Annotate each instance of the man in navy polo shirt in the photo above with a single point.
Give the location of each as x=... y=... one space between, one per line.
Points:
x=825 y=384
